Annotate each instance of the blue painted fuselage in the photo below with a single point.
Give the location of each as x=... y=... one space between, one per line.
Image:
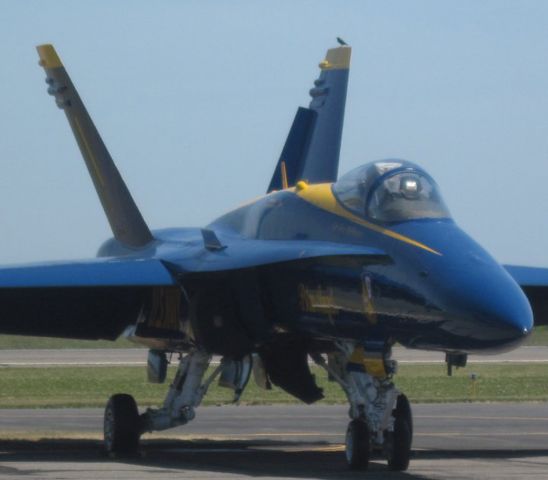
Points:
x=423 y=283
x=456 y=300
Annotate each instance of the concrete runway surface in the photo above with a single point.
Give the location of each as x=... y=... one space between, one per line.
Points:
x=138 y=356
x=452 y=441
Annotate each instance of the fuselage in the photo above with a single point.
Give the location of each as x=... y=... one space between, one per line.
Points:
x=440 y=290
x=432 y=286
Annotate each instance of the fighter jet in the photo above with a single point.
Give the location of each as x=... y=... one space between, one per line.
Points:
x=336 y=270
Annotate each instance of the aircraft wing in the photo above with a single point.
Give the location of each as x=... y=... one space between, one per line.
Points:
x=99 y=298
x=87 y=299
x=534 y=283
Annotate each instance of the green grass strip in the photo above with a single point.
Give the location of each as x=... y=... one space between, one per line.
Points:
x=91 y=386
x=20 y=342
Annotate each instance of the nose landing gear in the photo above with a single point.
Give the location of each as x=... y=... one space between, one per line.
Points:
x=381 y=418
x=358 y=444
x=398 y=441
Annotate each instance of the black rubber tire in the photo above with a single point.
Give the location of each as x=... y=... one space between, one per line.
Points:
x=357 y=445
x=403 y=410
x=122 y=425
x=401 y=438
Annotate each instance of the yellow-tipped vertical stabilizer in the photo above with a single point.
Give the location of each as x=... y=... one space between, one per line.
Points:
x=48 y=56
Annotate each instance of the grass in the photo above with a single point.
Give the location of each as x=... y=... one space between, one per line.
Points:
x=539 y=336
x=20 y=342
x=91 y=386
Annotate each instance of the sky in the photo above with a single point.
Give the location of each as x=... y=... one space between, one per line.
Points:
x=194 y=100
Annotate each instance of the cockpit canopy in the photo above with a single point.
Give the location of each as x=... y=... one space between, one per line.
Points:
x=390 y=191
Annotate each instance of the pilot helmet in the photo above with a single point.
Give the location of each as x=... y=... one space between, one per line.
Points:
x=410 y=186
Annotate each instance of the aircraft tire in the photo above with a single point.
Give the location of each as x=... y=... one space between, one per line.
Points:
x=357 y=445
x=403 y=409
x=402 y=436
x=121 y=425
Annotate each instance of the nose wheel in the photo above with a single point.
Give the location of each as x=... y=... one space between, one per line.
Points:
x=380 y=413
x=398 y=442
x=357 y=445
x=122 y=425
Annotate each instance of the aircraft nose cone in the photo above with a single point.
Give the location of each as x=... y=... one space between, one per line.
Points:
x=480 y=306
x=511 y=326
x=498 y=313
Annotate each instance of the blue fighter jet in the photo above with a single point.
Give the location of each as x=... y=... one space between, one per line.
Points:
x=336 y=270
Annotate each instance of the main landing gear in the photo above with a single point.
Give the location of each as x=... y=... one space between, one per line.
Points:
x=381 y=418
x=123 y=425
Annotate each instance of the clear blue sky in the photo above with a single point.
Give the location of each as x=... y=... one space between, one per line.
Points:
x=194 y=100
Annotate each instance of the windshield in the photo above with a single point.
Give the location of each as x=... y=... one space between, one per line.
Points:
x=390 y=191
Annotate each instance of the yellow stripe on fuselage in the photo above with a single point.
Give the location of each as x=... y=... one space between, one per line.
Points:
x=321 y=196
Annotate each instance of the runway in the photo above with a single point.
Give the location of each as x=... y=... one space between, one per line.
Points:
x=452 y=441
x=138 y=356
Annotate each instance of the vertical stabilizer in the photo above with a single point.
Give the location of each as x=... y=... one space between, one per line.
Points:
x=123 y=215
x=328 y=101
x=295 y=148
x=311 y=151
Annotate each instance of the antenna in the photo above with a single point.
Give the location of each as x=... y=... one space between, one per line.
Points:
x=284 y=174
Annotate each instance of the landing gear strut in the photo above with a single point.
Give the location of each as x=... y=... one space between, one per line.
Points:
x=380 y=415
x=123 y=425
